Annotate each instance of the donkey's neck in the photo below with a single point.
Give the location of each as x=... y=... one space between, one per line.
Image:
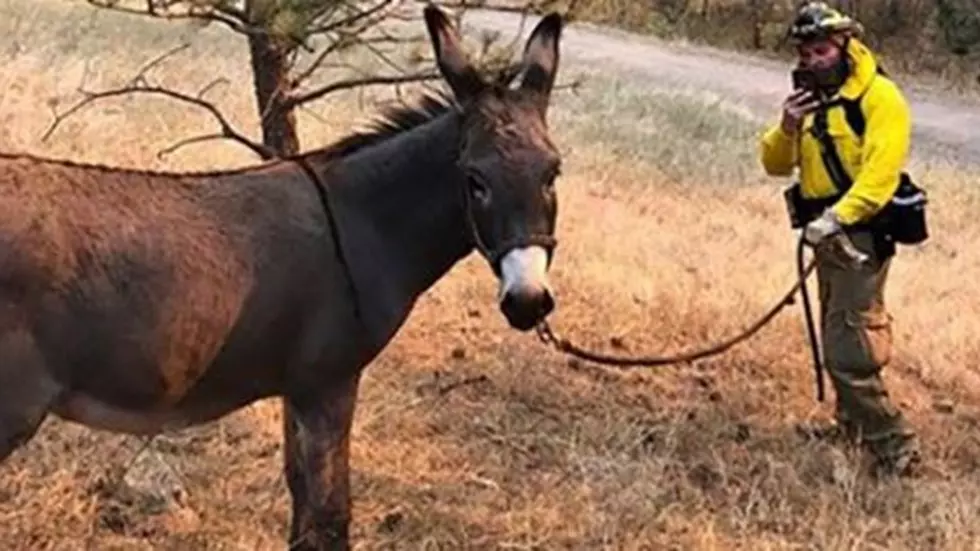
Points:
x=400 y=217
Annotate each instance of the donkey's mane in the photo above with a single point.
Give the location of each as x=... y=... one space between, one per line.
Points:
x=391 y=122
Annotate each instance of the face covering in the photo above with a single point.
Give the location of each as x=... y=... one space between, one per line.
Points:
x=830 y=79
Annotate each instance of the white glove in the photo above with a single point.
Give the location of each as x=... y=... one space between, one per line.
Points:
x=822 y=227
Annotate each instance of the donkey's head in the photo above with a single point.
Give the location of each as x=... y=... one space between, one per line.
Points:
x=508 y=163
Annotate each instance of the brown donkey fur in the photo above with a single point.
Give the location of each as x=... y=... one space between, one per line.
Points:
x=139 y=301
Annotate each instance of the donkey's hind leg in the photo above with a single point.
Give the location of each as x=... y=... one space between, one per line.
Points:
x=26 y=390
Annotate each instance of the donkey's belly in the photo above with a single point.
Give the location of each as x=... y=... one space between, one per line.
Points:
x=94 y=413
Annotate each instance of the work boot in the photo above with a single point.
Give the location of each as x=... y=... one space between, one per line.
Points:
x=835 y=432
x=898 y=456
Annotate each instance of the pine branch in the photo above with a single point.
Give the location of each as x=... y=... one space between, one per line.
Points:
x=228 y=16
x=359 y=16
x=306 y=97
x=344 y=43
x=226 y=129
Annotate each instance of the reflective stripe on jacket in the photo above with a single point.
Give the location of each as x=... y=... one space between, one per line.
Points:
x=874 y=161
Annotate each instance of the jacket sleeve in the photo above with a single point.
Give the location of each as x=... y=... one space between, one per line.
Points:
x=778 y=151
x=883 y=155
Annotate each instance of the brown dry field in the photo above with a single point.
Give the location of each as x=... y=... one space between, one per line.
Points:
x=670 y=238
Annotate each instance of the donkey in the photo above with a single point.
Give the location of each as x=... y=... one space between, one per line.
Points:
x=136 y=301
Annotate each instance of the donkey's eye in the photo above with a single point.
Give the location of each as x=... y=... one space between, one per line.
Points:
x=479 y=189
x=549 y=182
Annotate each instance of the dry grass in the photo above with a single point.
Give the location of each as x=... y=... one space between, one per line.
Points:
x=669 y=238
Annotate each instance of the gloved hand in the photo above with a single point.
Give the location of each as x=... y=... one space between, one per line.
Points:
x=822 y=227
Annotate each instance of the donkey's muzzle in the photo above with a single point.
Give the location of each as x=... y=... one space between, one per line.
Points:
x=525 y=295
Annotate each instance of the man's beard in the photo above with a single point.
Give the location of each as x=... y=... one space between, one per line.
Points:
x=830 y=79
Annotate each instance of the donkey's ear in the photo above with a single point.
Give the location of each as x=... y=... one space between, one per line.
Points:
x=541 y=57
x=450 y=56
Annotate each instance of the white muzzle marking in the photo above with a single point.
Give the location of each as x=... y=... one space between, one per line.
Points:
x=524 y=270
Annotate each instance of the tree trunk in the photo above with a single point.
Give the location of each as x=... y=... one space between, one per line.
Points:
x=270 y=71
x=758 y=19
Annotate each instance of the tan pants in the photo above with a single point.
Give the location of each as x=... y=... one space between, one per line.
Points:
x=857 y=343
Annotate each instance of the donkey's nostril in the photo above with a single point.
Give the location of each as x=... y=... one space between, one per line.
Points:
x=545 y=304
x=526 y=307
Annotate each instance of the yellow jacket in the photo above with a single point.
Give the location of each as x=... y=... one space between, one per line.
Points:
x=874 y=163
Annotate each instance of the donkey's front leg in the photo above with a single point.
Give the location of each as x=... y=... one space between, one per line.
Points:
x=317 y=442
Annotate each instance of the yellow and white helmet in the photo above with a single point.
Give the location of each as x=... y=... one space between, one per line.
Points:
x=815 y=20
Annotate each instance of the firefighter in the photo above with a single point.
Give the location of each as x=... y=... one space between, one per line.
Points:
x=845 y=97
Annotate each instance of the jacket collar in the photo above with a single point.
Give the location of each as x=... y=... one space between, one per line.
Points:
x=864 y=69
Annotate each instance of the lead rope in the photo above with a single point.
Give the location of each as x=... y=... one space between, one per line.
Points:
x=808 y=316
x=549 y=336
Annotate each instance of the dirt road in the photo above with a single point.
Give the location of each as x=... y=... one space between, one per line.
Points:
x=944 y=127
